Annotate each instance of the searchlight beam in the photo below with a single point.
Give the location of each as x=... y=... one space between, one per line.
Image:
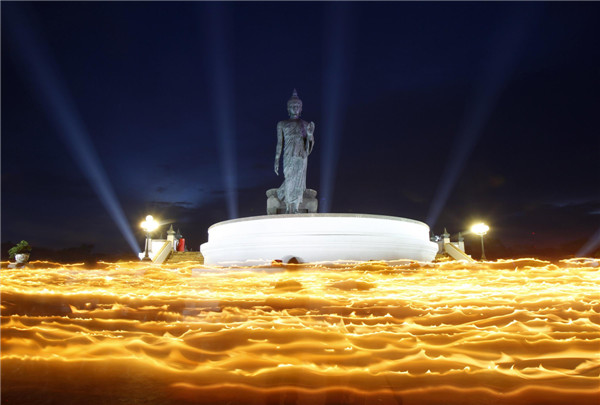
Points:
x=43 y=75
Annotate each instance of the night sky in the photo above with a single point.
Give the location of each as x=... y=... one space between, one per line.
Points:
x=442 y=112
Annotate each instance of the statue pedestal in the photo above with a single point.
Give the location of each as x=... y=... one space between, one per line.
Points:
x=309 y=204
x=316 y=238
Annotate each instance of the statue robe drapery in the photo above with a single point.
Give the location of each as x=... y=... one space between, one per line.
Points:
x=295 y=159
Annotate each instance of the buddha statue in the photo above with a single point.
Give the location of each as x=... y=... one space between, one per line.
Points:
x=295 y=138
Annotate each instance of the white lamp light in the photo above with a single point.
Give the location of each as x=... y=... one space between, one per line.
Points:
x=149 y=225
x=481 y=229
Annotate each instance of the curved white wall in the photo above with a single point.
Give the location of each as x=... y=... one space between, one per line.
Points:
x=317 y=238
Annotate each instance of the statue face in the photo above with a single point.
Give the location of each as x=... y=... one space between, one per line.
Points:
x=294 y=110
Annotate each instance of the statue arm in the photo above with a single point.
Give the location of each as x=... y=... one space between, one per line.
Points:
x=310 y=130
x=279 y=144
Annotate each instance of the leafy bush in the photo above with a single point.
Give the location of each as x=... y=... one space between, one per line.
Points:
x=21 y=247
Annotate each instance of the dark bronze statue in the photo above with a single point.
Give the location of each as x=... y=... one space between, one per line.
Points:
x=296 y=137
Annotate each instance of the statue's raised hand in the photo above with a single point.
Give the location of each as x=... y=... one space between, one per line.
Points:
x=310 y=128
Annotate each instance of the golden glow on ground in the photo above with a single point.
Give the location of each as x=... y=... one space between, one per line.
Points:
x=509 y=332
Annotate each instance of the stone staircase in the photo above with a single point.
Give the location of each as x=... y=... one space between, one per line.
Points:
x=177 y=257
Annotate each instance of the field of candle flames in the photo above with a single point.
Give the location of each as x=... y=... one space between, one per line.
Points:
x=509 y=332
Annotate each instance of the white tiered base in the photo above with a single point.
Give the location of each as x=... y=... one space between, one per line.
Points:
x=316 y=238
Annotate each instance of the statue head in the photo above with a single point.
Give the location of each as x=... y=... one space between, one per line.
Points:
x=294 y=105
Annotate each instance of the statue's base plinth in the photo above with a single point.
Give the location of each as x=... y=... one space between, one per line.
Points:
x=316 y=238
x=309 y=204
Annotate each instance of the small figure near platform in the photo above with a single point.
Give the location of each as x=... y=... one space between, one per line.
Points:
x=295 y=137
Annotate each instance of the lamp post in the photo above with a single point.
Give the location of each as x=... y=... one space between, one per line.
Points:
x=149 y=225
x=481 y=229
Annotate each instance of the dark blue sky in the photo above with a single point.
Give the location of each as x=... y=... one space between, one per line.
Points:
x=441 y=112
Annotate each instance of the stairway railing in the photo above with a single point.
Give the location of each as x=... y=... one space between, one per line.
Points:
x=163 y=253
x=456 y=253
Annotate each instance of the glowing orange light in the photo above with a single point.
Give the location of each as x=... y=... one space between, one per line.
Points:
x=504 y=332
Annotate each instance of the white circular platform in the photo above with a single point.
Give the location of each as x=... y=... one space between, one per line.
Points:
x=316 y=238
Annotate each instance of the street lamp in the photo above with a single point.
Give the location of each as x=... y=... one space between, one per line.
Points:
x=480 y=229
x=149 y=225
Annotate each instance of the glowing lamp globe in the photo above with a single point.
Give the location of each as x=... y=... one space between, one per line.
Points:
x=149 y=224
x=480 y=229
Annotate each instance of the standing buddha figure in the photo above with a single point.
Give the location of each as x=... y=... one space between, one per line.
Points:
x=295 y=137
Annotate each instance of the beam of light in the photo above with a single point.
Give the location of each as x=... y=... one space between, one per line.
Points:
x=44 y=77
x=333 y=93
x=592 y=244
x=370 y=332
x=221 y=83
x=506 y=47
